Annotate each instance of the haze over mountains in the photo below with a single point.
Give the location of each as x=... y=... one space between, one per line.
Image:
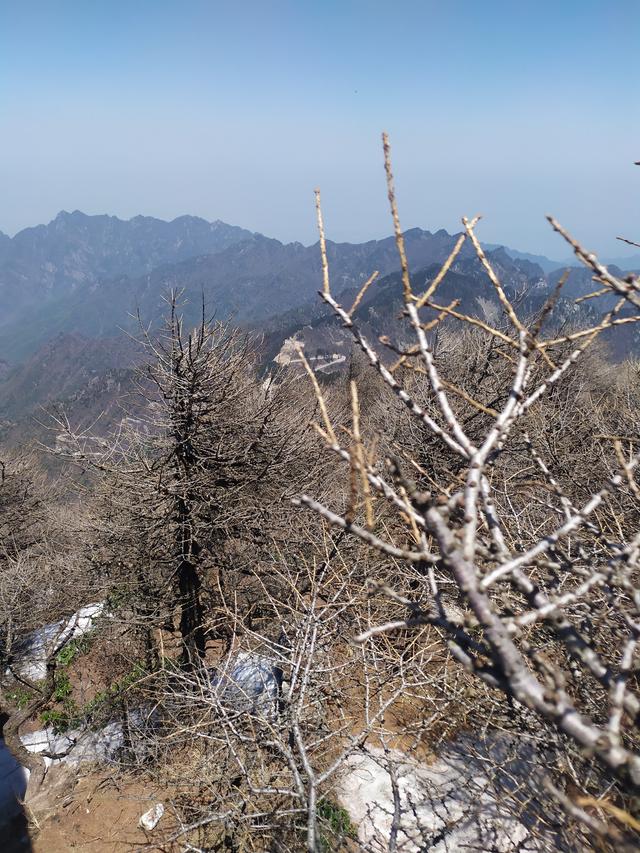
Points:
x=88 y=274
x=68 y=290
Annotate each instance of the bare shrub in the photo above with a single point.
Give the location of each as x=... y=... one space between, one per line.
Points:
x=514 y=497
x=43 y=579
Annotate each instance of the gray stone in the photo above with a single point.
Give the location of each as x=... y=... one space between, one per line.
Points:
x=248 y=682
x=31 y=656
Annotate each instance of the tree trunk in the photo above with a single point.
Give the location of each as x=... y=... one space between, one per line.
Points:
x=191 y=616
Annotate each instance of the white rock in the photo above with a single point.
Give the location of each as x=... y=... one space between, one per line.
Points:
x=76 y=747
x=445 y=806
x=149 y=820
x=31 y=659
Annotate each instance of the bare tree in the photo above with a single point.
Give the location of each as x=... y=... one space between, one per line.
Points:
x=542 y=552
x=481 y=574
x=193 y=482
x=258 y=744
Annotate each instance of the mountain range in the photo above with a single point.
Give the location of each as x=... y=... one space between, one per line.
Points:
x=91 y=274
x=69 y=289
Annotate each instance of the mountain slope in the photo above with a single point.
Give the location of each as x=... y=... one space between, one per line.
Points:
x=247 y=281
x=89 y=379
x=264 y=285
x=328 y=345
x=546 y=264
x=75 y=251
x=60 y=368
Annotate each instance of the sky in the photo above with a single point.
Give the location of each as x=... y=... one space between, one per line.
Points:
x=237 y=111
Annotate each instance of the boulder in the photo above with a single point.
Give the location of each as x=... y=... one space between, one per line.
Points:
x=248 y=682
x=476 y=795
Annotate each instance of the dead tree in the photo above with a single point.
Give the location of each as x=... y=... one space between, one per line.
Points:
x=256 y=747
x=545 y=571
x=191 y=480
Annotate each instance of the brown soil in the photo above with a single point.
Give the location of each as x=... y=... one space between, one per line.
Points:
x=96 y=812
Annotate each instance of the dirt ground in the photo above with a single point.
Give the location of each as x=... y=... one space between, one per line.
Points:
x=96 y=812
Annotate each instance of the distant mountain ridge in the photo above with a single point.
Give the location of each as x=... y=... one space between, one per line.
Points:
x=76 y=250
x=328 y=344
x=88 y=275
x=70 y=288
x=546 y=264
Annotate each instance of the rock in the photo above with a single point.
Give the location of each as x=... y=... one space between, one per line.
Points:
x=475 y=796
x=80 y=746
x=31 y=657
x=32 y=654
x=75 y=746
x=248 y=682
x=149 y=820
x=71 y=748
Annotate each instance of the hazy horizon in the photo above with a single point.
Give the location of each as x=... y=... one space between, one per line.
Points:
x=164 y=109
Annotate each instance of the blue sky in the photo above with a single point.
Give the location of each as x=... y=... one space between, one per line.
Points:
x=237 y=111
